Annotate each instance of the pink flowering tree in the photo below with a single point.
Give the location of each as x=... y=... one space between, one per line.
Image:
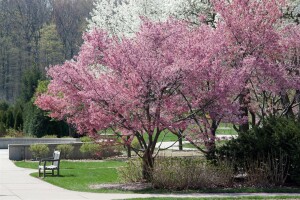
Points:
x=290 y=99
x=139 y=87
x=209 y=88
x=246 y=48
x=171 y=76
x=253 y=44
x=253 y=41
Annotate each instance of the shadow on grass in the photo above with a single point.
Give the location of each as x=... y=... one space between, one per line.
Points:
x=64 y=176
x=35 y=174
x=220 y=190
x=225 y=190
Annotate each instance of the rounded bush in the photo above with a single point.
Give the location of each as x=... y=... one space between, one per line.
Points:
x=65 y=150
x=39 y=150
x=86 y=139
x=90 y=149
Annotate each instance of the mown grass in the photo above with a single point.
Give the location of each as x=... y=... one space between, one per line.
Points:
x=67 y=165
x=79 y=175
x=226 y=129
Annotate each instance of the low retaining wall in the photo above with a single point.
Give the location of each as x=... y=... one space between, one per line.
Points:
x=4 y=142
x=21 y=151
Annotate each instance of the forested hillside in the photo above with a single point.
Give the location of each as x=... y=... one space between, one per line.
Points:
x=35 y=34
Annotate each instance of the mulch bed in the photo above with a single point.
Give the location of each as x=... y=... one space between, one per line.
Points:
x=123 y=186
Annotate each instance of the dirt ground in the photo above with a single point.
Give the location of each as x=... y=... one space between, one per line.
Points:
x=122 y=186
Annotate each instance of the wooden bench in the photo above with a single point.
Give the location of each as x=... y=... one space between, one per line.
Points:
x=55 y=161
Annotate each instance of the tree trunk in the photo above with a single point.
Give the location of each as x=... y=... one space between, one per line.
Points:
x=211 y=144
x=244 y=110
x=128 y=151
x=253 y=119
x=148 y=163
x=285 y=101
x=128 y=148
x=180 y=143
x=298 y=102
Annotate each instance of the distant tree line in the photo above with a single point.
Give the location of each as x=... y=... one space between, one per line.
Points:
x=35 y=34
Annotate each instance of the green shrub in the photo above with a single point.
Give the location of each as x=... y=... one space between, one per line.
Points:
x=13 y=133
x=135 y=143
x=277 y=140
x=49 y=136
x=86 y=139
x=110 y=146
x=90 y=149
x=66 y=137
x=39 y=150
x=190 y=173
x=100 y=151
x=131 y=172
x=179 y=173
x=2 y=129
x=65 y=150
x=109 y=151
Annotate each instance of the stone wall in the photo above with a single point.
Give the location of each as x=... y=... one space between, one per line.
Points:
x=21 y=151
x=4 y=142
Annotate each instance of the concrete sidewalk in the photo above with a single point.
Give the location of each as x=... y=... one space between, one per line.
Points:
x=16 y=184
x=175 y=145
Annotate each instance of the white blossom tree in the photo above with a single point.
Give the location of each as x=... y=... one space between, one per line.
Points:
x=292 y=12
x=123 y=17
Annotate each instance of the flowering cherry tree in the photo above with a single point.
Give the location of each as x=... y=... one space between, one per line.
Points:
x=172 y=76
x=140 y=86
x=251 y=39
x=254 y=45
x=290 y=98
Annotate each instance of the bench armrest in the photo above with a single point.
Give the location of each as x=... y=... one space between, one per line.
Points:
x=43 y=159
x=50 y=160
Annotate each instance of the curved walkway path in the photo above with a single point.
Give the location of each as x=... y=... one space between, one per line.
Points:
x=16 y=184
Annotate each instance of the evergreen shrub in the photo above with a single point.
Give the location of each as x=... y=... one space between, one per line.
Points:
x=276 y=143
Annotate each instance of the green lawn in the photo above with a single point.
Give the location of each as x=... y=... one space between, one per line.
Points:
x=226 y=129
x=168 y=137
x=79 y=175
